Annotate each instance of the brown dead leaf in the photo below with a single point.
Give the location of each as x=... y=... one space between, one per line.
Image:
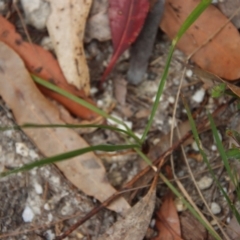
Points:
x=136 y=221
x=167 y=222
x=221 y=55
x=28 y=105
x=66 y=25
x=192 y=229
x=98 y=23
x=233 y=229
x=41 y=63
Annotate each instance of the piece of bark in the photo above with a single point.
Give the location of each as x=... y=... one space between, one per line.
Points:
x=142 y=48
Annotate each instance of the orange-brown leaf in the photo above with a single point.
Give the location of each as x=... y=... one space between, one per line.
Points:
x=221 y=55
x=167 y=222
x=41 y=63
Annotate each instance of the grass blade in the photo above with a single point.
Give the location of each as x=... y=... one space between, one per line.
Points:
x=67 y=155
x=188 y=22
x=204 y=156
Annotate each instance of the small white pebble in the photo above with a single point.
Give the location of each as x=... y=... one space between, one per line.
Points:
x=66 y=209
x=214 y=222
x=198 y=95
x=100 y=103
x=214 y=148
x=27 y=214
x=156 y=141
x=93 y=91
x=46 y=43
x=180 y=206
x=139 y=135
x=189 y=73
x=46 y=206
x=33 y=155
x=205 y=182
x=49 y=235
x=154 y=98
x=50 y=217
x=152 y=223
x=21 y=149
x=228 y=220
x=38 y=188
x=195 y=146
x=215 y=208
x=8 y=133
x=172 y=121
x=171 y=99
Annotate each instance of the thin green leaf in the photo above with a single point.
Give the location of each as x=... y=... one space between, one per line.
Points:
x=67 y=155
x=188 y=22
x=33 y=125
x=190 y=208
x=204 y=156
x=231 y=172
x=78 y=100
x=233 y=153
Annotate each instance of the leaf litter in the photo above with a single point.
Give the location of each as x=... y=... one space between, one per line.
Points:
x=19 y=92
x=41 y=63
x=221 y=54
x=66 y=25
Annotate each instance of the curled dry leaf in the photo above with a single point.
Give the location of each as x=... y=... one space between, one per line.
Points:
x=167 y=222
x=192 y=228
x=221 y=55
x=41 y=63
x=126 y=21
x=66 y=26
x=98 y=23
x=28 y=105
x=136 y=221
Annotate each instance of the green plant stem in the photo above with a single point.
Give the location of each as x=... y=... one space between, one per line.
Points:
x=82 y=102
x=188 y=22
x=67 y=155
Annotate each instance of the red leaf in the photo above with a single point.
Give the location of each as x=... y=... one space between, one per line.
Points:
x=126 y=21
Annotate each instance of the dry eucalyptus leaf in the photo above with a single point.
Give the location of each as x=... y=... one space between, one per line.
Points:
x=66 y=26
x=221 y=54
x=28 y=105
x=98 y=23
x=136 y=221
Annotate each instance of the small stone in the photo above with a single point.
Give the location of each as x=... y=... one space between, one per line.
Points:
x=47 y=44
x=214 y=148
x=21 y=149
x=36 y=12
x=195 y=146
x=27 y=214
x=171 y=99
x=205 y=182
x=33 y=155
x=49 y=235
x=215 y=208
x=46 y=206
x=38 y=188
x=198 y=96
x=189 y=73
x=180 y=206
